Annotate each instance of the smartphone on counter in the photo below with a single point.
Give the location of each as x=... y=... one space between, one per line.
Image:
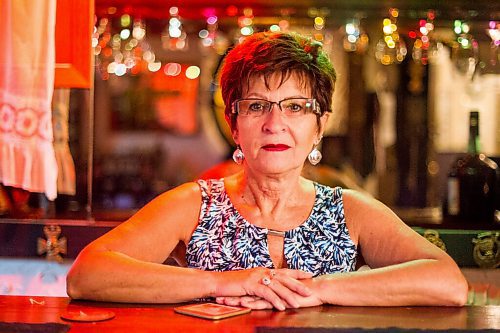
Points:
x=211 y=311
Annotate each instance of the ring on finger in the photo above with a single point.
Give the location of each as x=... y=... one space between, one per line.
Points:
x=266 y=280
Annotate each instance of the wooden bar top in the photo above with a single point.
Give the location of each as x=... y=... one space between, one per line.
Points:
x=162 y=318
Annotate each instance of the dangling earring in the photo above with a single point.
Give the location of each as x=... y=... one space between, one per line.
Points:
x=314 y=156
x=238 y=156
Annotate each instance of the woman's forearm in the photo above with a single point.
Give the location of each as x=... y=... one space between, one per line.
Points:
x=419 y=282
x=112 y=276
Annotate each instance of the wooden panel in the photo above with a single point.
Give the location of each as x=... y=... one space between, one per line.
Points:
x=468 y=247
x=74 y=27
x=21 y=239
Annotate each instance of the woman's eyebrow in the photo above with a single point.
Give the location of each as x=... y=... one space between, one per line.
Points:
x=255 y=95
x=258 y=96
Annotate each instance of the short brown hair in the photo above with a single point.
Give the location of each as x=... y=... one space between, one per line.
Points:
x=266 y=54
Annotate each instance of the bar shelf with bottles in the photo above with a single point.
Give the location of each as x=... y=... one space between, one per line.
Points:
x=473 y=190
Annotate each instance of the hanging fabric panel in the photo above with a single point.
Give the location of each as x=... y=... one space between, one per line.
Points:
x=27 y=158
x=66 y=183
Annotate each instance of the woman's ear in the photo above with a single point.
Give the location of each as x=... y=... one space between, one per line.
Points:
x=234 y=130
x=322 y=124
x=234 y=134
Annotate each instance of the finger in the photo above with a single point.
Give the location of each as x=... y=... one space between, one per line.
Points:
x=220 y=300
x=269 y=295
x=255 y=303
x=232 y=301
x=294 y=285
x=304 y=275
x=286 y=295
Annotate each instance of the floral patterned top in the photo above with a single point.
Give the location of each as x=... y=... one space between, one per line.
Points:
x=224 y=240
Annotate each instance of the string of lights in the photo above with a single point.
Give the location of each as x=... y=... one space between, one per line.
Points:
x=122 y=46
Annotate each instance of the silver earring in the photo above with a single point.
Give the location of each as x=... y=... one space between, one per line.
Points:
x=238 y=156
x=314 y=156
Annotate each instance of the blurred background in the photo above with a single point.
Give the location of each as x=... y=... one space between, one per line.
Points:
x=409 y=73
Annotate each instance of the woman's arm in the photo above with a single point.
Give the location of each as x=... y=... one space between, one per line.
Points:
x=406 y=269
x=125 y=265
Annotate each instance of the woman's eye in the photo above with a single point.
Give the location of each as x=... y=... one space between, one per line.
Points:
x=293 y=107
x=255 y=107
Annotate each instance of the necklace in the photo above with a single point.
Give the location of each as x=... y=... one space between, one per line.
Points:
x=277 y=233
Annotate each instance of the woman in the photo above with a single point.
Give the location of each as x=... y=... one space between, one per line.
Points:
x=267 y=237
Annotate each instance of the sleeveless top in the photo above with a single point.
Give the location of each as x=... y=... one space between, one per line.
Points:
x=224 y=240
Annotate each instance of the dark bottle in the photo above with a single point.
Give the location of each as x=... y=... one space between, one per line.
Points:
x=473 y=181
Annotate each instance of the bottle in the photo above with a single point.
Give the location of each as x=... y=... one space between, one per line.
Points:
x=472 y=187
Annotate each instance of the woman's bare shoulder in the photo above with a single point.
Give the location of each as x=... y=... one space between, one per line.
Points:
x=175 y=209
x=363 y=212
x=160 y=225
x=181 y=203
x=356 y=202
x=361 y=202
x=188 y=191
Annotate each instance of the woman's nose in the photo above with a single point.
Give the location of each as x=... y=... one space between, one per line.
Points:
x=274 y=120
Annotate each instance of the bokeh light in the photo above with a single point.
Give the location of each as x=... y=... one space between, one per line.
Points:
x=192 y=72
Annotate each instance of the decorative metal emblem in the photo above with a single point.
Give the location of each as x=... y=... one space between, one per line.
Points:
x=53 y=246
x=433 y=237
x=486 y=251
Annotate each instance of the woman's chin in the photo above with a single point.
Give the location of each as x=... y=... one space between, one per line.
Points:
x=276 y=168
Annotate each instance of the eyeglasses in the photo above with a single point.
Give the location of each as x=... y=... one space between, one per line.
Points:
x=292 y=107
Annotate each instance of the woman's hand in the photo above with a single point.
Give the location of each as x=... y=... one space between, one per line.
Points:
x=280 y=289
x=257 y=303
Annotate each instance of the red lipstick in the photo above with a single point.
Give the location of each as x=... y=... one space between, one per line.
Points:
x=278 y=147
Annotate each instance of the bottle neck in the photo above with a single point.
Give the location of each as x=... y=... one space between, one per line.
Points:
x=474 y=145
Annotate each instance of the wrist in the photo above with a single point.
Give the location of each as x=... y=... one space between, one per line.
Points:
x=221 y=284
x=322 y=289
x=214 y=283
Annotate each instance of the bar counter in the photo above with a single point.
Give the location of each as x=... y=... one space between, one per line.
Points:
x=162 y=318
